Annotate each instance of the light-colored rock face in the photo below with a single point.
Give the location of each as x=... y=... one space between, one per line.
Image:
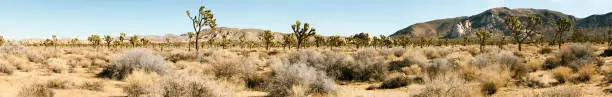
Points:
x=460 y=29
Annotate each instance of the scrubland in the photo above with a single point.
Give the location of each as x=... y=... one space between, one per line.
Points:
x=575 y=70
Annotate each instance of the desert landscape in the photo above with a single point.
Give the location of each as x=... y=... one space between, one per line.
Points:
x=500 y=52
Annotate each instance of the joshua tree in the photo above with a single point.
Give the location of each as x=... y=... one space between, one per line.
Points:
x=54 y=37
x=522 y=28
x=134 y=40
x=563 y=25
x=190 y=35
x=266 y=38
x=403 y=41
x=121 y=37
x=376 y=41
x=483 y=35
x=386 y=41
x=144 y=41
x=288 y=40
x=94 y=39
x=212 y=42
x=319 y=40
x=334 y=41
x=224 y=41
x=302 y=33
x=204 y=18
x=48 y=42
x=74 y=41
x=108 y=40
x=116 y=43
x=361 y=39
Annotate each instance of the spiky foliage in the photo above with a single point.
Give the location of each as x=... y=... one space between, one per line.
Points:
x=266 y=38
x=288 y=40
x=122 y=37
x=94 y=39
x=108 y=40
x=190 y=35
x=403 y=41
x=74 y=41
x=361 y=39
x=203 y=19
x=302 y=33
x=563 y=25
x=144 y=41
x=335 y=41
x=522 y=27
x=386 y=41
x=483 y=35
x=134 y=40
x=319 y=40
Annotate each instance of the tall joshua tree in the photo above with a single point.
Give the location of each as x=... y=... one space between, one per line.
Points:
x=108 y=40
x=288 y=40
x=302 y=33
x=203 y=19
x=319 y=40
x=74 y=41
x=483 y=35
x=122 y=37
x=94 y=39
x=334 y=41
x=266 y=38
x=144 y=42
x=134 y=40
x=563 y=25
x=522 y=28
x=361 y=39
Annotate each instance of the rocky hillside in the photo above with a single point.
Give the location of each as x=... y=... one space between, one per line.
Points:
x=493 y=19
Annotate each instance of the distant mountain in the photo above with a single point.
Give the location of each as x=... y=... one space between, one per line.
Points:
x=493 y=20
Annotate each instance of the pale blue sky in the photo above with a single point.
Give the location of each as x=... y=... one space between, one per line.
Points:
x=79 y=18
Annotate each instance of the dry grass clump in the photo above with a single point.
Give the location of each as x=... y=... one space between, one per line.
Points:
x=572 y=56
x=36 y=90
x=6 y=68
x=563 y=91
x=57 y=65
x=181 y=55
x=231 y=66
x=125 y=63
x=395 y=80
x=191 y=86
x=142 y=84
x=562 y=74
x=449 y=86
x=94 y=85
x=545 y=50
x=298 y=80
x=369 y=66
x=585 y=73
x=13 y=49
x=439 y=67
x=60 y=83
x=397 y=52
x=412 y=58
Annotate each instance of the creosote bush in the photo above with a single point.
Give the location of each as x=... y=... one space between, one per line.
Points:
x=36 y=90
x=572 y=56
x=128 y=61
x=298 y=80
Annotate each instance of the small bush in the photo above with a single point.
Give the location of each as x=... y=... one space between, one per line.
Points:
x=298 y=80
x=181 y=55
x=6 y=68
x=191 y=86
x=545 y=50
x=142 y=84
x=585 y=73
x=562 y=74
x=93 y=85
x=125 y=63
x=394 y=80
x=606 y=53
x=563 y=91
x=57 y=65
x=36 y=90
x=60 y=83
x=489 y=88
x=573 y=56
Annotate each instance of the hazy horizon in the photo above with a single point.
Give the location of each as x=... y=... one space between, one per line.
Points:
x=80 y=18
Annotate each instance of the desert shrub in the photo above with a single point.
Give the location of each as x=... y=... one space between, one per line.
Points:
x=337 y=65
x=142 y=84
x=562 y=74
x=545 y=50
x=606 y=53
x=6 y=68
x=36 y=90
x=191 y=86
x=57 y=65
x=13 y=49
x=563 y=91
x=363 y=65
x=585 y=73
x=228 y=65
x=448 y=86
x=397 y=52
x=178 y=55
x=125 y=63
x=413 y=58
x=35 y=57
x=573 y=56
x=394 y=80
x=368 y=65
x=489 y=88
x=439 y=66
x=93 y=85
x=607 y=72
x=60 y=83
x=298 y=80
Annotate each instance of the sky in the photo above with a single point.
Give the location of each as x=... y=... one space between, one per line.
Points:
x=21 y=19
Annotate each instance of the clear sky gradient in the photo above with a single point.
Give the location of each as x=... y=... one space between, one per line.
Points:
x=21 y=19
